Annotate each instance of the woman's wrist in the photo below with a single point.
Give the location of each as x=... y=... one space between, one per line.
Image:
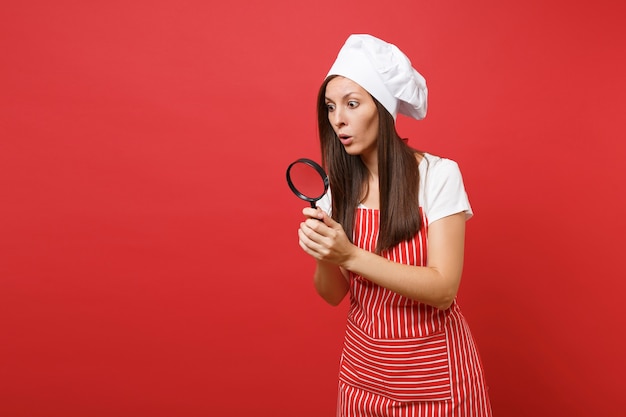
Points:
x=349 y=261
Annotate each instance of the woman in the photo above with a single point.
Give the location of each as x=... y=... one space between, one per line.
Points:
x=390 y=233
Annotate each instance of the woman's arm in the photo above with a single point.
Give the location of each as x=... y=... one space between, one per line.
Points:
x=331 y=282
x=435 y=284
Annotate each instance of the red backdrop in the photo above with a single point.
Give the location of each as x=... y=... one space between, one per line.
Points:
x=149 y=263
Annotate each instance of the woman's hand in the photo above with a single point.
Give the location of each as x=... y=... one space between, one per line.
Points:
x=435 y=284
x=324 y=239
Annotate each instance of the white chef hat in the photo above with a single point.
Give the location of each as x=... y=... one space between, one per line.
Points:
x=385 y=72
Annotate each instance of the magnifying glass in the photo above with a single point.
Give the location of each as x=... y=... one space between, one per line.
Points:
x=307 y=179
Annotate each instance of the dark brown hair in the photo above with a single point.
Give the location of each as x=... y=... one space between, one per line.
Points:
x=398 y=178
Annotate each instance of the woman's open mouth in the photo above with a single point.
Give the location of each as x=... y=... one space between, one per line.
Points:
x=345 y=139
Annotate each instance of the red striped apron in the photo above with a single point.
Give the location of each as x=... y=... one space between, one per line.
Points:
x=401 y=353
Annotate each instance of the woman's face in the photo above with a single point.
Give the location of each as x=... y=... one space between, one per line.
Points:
x=353 y=115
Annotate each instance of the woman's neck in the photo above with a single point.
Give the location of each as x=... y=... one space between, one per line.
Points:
x=371 y=195
x=371 y=163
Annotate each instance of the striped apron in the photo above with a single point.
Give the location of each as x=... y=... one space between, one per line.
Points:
x=401 y=357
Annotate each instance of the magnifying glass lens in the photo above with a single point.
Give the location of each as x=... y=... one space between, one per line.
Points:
x=307 y=180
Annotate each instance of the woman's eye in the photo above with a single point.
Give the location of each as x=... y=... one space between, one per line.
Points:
x=330 y=107
x=353 y=104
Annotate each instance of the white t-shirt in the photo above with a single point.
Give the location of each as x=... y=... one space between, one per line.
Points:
x=441 y=193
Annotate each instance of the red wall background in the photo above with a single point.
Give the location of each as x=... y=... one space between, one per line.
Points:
x=149 y=263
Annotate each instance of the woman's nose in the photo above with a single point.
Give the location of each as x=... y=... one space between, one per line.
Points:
x=338 y=118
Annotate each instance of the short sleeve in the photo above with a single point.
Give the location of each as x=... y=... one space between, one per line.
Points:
x=325 y=203
x=442 y=192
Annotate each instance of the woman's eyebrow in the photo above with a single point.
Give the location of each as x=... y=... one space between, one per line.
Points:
x=345 y=95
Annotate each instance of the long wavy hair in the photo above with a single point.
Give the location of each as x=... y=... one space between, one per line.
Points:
x=398 y=178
